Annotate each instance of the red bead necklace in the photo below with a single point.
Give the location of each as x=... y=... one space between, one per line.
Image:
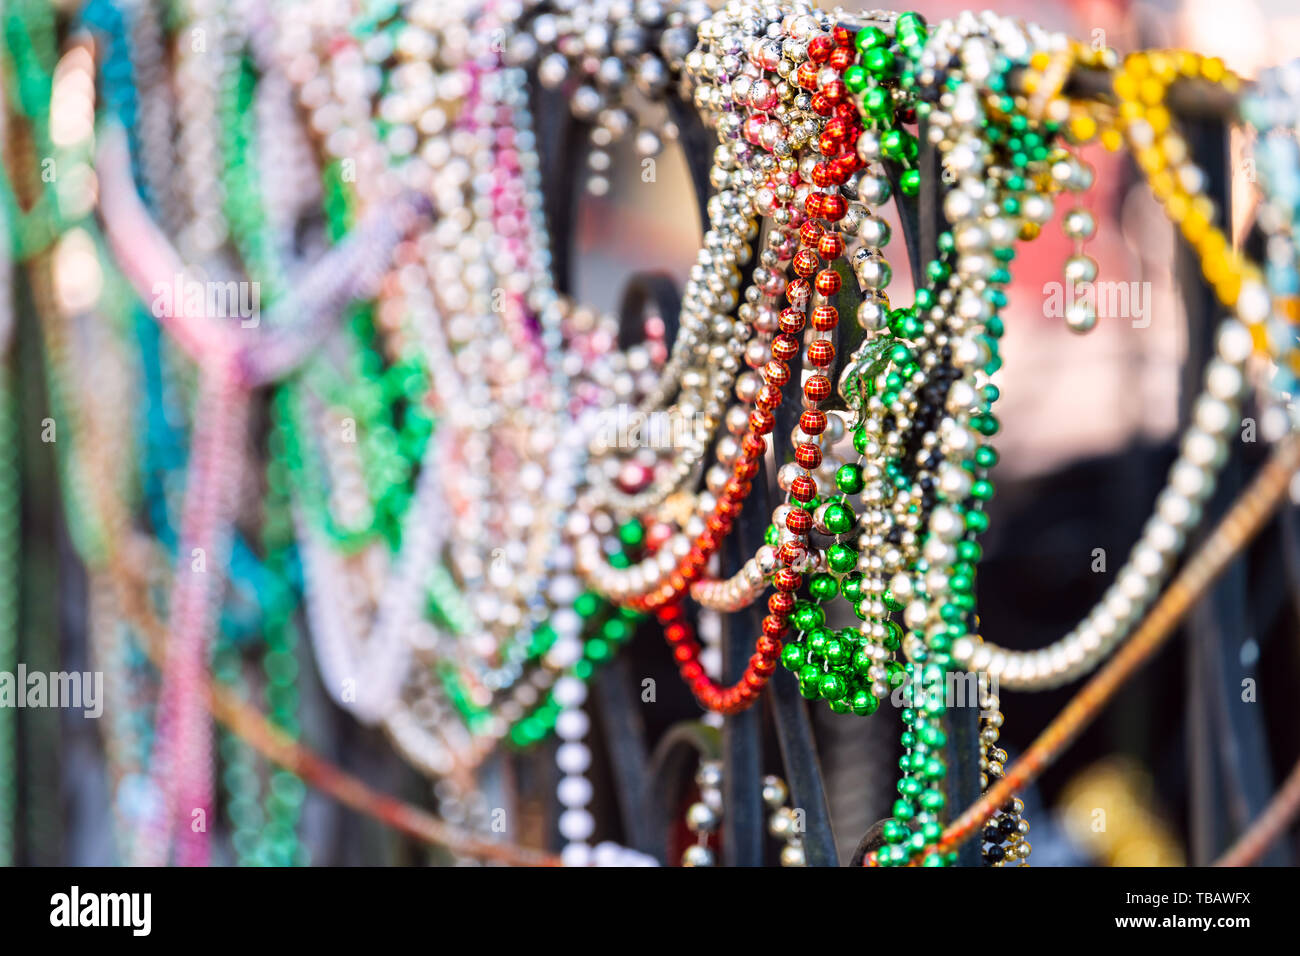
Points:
x=818 y=243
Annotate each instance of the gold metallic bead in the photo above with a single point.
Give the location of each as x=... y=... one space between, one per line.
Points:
x=1194 y=225
x=1162 y=184
x=1215 y=267
x=1165 y=67
x=1212 y=243
x=1151 y=91
x=1083 y=128
x=1150 y=160
x=1229 y=289
x=1189 y=64
x=1158 y=119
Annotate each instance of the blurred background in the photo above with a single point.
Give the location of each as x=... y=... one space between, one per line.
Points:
x=1175 y=767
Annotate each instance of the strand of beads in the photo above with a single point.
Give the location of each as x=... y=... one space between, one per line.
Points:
x=943 y=395
x=704 y=817
x=784 y=823
x=836 y=142
x=705 y=356
x=127 y=736
x=368 y=457
x=767 y=52
x=186 y=779
x=852 y=670
x=1141 y=83
x=182 y=757
x=822 y=246
x=780 y=115
x=286 y=792
x=1177 y=183
x=1042 y=82
x=384 y=649
x=568 y=652
x=1004 y=834
x=574 y=789
x=838 y=667
x=1271 y=109
x=884 y=86
x=270 y=837
x=708 y=337
x=681 y=637
x=612 y=49
x=573 y=758
x=254 y=839
x=507 y=676
x=96 y=471
x=517 y=206
x=746 y=52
